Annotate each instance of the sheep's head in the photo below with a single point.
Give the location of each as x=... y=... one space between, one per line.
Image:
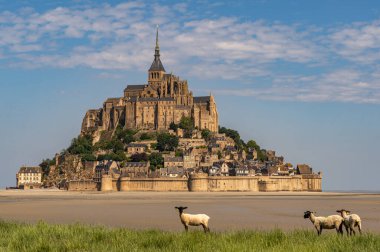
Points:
x=180 y=208
x=307 y=214
x=342 y=211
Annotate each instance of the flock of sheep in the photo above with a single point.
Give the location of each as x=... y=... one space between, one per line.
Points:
x=350 y=221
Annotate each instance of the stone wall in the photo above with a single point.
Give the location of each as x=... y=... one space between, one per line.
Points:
x=82 y=185
x=154 y=184
x=203 y=183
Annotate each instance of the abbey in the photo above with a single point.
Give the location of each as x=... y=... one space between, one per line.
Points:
x=155 y=105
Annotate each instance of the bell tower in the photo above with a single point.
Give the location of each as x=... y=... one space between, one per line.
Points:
x=156 y=71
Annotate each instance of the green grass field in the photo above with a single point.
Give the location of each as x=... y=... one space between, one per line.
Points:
x=47 y=237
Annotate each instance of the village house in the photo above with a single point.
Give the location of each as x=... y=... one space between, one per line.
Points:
x=135 y=169
x=172 y=172
x=104 y=167
x=187 y=143
x=189 y=161
x=173 y=162
x=29 y=177
x=304 y=169
x=224 y=167
x=136 y=148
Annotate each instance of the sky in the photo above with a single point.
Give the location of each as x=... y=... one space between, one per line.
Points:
x=299 y=77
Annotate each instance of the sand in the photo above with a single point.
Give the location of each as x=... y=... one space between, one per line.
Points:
x=155 y=210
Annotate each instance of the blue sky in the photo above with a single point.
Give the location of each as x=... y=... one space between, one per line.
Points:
x=299 y=77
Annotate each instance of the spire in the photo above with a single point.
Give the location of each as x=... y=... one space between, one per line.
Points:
x=157 y=46
x=157 y=65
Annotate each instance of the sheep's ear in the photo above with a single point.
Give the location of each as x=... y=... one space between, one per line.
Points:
x=176 y=207
x=184 y=207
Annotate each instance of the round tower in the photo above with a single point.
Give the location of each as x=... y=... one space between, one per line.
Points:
x=198 y=182
x=106 y=183
x=125 y=183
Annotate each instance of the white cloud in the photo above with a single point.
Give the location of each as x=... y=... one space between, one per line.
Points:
x=358 y=42
x=121 y=37
x=340 y=86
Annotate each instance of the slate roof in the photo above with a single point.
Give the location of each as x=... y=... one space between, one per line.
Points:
x=35 y=169
x=135 y=164
x=134 y=99
x=137 y=145
x=157 y=65
x=173 y=159
x=135 y=87
x=112 y=99
x=202 y=99
x=304 y=169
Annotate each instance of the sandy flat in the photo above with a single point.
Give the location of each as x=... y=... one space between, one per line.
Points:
x=147 y=210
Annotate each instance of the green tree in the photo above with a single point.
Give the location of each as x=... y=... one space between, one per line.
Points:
x=231 y=133
x=156 y=161
x=173 y=126
x=206 y=134
x=126 y=136
x=81 y=145
x=88 y=157
x=166 y=142
x=139 y=157
x=45 y=165
x=187 y=124
x=146 y=136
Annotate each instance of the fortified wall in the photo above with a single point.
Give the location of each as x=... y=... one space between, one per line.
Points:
x=205 y=183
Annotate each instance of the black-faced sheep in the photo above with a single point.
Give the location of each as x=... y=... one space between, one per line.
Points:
x=350 y=221
x=329 y=222
x=193 y=219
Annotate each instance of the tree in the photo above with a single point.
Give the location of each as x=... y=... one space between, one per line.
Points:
x=146 y=136
x=88 y=157
x=139 y=157
x=166 y=142
x=206 y=134
x=262 y=156
x=173 y=126
x=45 y=165
x=126 y=136
x=231 y=133
x=81 y=145
x=156 y=161
x=186 y=123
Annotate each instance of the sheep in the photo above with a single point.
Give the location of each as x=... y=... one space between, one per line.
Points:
x=329 y=222
x=193 y=219
x=350 y=221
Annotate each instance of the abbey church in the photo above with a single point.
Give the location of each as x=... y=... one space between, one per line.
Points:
x=153 y=106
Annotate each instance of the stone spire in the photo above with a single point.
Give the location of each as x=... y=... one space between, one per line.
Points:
x=157 y=64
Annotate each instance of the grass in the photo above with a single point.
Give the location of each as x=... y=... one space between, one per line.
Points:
x=46 y=237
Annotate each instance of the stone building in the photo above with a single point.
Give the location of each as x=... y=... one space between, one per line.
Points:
x=135 y=148
x=29 y=177
x=135 y=169
x=153 y=106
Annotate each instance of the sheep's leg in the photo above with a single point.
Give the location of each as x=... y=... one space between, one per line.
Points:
x=204 y=228
x=186 y=228
x=348 y=234
x=320 y=230
x=339 y=229
x=360 y=227
x=352 y=228
x=317 y=229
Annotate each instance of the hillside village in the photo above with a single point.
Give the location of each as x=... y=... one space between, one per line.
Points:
x=159 y=130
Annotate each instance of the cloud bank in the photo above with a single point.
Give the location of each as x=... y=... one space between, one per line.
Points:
x=294 y=62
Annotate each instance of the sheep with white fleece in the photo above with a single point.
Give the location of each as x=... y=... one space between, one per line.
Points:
x=329 y=222
x=193 y=219
x=351 y=221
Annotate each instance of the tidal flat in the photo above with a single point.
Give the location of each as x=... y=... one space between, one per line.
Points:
x=232 y=211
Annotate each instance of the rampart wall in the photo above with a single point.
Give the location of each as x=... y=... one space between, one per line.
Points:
x=204 y=183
